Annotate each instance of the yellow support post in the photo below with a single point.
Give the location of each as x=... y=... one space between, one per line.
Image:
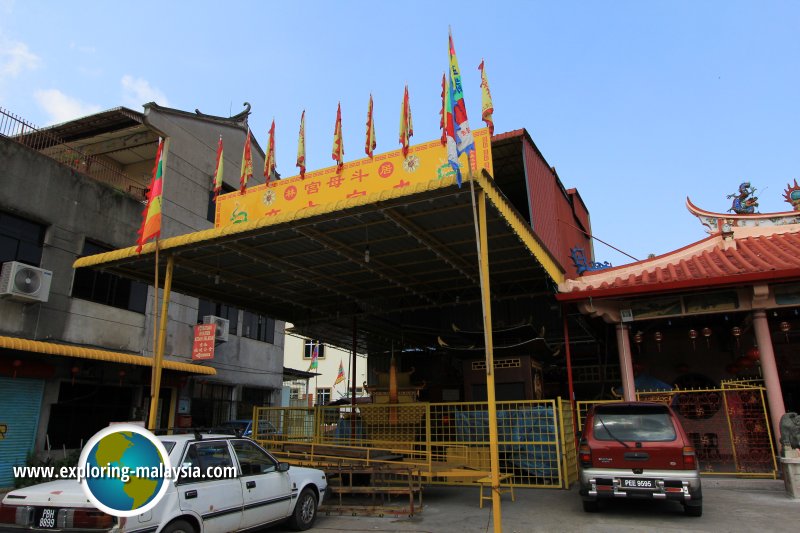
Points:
x=494 y=453
x=162 y=340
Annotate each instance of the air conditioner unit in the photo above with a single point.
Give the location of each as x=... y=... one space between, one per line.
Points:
x=25 y=283
x=221 y=334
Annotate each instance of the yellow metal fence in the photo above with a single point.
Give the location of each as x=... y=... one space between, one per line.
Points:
x=447 y=442
x=729 y=427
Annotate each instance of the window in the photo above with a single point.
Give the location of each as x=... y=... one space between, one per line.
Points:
x=212 y=205
x=252 y=459
x=258 y=327
x=308 y=349
x=105 y=288
x=20 y=240
x=208 y=456
x=323 y=396
x=206 y=307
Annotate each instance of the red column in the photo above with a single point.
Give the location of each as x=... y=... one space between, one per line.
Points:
x=625 y=362
x=769 y=369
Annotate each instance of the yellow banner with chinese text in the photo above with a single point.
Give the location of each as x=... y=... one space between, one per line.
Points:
x=425 y=162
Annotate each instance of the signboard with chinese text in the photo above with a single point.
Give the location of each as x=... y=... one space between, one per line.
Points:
x=364 y=177
x=203 y=345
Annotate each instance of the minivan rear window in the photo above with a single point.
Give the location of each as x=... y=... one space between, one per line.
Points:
x=634 y=426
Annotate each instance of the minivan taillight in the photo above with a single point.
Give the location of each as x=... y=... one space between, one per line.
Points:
x=585 y=455
x=689 y=458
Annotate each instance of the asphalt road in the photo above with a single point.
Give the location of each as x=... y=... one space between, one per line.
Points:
x=728 y=505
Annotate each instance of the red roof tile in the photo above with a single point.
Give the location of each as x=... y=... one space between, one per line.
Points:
x=753 y=254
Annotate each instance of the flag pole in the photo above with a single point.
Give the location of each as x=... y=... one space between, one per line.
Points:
x=155 y=331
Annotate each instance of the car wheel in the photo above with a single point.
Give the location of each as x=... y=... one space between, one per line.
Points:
x=591 y=506
x=305 y=511
x=178 y=526
x=693 y=509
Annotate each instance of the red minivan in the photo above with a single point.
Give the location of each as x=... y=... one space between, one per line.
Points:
x=637 y=450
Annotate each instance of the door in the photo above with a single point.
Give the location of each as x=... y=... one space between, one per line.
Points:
x=20 y=401
x=217 y=499
x=267 y=493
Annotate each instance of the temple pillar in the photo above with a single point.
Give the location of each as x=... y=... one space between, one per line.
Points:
x=769 y=370
x=625 y=362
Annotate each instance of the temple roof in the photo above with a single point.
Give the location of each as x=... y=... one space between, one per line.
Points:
x=734 y=257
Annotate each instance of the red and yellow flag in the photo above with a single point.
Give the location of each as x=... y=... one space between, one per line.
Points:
x=269 y=159
x=340 y=375
x=369 y=147
x=247 y=164
x=338 y=146
x=218 y=169
x=487 y=108
x=301 y=146
x=406 y=126
x=151 y=216
x=443 y=113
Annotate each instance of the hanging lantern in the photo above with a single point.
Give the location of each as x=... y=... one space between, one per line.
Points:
x=121 y=374
x=692 y=336
x=707 y=335
x=16 y=364
x=75 y=370
x=753 y=354
x=638 y=340
x=736 y=332
x=657 y=336
x=785 y=327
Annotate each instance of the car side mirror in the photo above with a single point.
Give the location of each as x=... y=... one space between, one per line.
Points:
x=283 y=467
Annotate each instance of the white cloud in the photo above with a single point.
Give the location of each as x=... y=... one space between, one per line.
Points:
x=61 y=107
x=15 y=57
x=137 y=92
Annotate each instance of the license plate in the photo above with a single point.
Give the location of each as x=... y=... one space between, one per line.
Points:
x=637 y=483
x=46 y=518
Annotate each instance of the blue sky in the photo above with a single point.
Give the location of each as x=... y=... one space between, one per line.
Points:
x=637 y=104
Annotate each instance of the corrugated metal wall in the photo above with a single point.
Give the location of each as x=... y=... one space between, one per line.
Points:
x=20 y=401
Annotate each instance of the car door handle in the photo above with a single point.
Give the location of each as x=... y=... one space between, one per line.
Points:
x=189 y=494
x=250 y=484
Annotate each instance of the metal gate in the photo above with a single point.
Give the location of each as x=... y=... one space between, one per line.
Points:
x=729 y=427
x=20 y=401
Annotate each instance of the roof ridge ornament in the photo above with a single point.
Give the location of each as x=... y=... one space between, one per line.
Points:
x=239 y=117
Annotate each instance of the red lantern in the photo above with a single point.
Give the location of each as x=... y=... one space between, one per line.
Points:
x=745 y=362
x=707 y=334
x=692 y=336
x=16 y=364
x=638 y=340
x=657 y=336
x=753 y=354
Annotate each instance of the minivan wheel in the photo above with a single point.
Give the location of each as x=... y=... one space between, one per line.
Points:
x=693 y=508
x=591 y=506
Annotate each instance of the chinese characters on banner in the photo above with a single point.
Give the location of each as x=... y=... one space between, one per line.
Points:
x=203 y=345
x=426 y=162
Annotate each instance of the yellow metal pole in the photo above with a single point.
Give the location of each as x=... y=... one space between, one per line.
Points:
x=162 y=340
x=494 y=453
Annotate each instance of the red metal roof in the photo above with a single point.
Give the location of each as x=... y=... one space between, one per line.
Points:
x=750 y=255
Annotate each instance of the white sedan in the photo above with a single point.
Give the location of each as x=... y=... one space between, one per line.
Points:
x=263 y=492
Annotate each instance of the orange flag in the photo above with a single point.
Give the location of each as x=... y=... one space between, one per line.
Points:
x=151 y=216
x=218 y=170
x=247 y=163
x=406 y=126
x=301 y=146
x=443 y=113
x=369 y=147
x=487 y=108
x=338 y=147
x=269 y=160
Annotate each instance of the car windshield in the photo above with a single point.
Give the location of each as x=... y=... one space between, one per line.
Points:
x=637 y=424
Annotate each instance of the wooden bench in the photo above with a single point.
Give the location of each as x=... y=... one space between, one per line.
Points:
x=487 y=482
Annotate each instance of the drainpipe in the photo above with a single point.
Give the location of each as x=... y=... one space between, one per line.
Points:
x=625 y=362
x=769 y=369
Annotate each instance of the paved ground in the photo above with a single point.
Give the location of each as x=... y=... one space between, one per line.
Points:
x=730 y=505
